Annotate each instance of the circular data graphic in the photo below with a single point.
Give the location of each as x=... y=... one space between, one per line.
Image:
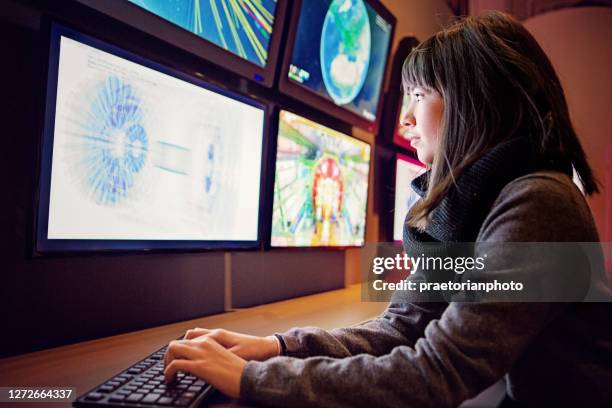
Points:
x=208 y=165
x=345 y=49
x=111 y=145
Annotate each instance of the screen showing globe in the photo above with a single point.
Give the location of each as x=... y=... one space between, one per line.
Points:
x=340 y=52
x=243 y=27
x=320 y=185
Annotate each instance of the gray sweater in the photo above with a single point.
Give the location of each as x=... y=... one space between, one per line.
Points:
x=439 y=354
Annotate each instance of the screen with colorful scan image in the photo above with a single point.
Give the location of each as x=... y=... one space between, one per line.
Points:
x=243 y=27
x=320 y=186
x=340 y=53
x=406 y=169
x=138 y=154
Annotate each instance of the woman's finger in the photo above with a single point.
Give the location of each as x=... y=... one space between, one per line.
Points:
x=179 y=349
x=193 y=333
x=215 y=344
x=208 y=343
x=219 y=335
x=180 y=365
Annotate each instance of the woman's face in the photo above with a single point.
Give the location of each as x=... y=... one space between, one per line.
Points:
x=423 y=120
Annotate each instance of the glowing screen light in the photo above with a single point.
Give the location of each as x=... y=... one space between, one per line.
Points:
x=340 y=53
x=142 y=155
x=406 y=170
x=320 y=185
x=243 y=27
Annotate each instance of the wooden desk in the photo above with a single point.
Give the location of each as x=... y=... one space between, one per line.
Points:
x=87 y=364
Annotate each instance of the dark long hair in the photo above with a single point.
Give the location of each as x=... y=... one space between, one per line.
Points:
x=497 y=84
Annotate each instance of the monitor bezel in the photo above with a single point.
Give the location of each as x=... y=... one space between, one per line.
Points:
x=306 y=95
x=272 y=177
x=413 y=161
x=152 y=24
x=42 y=244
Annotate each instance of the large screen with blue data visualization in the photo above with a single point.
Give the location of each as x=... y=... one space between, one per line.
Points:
x=320 y=186
x=243 y=27
x=136 y=154
x=340 y=53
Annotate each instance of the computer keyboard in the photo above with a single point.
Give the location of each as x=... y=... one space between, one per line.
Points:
x=143 y=385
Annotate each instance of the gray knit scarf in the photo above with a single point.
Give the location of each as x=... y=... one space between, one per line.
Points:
x=455 y=223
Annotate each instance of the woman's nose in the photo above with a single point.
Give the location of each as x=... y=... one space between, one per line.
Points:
x=407 y=119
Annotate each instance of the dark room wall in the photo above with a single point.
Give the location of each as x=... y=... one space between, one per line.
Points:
x=51 y=301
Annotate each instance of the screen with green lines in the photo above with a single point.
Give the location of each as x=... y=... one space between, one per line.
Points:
x=243 y=27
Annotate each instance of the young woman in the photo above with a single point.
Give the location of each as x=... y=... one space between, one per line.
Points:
x=489 y=117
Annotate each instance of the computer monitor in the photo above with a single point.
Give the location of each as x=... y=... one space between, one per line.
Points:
x=239 y=35
x=320 y=186
x=137 y=156
x=406 y=170
x=337 y=57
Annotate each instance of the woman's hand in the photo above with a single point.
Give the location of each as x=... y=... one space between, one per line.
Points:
x=208 y=360
x=243 y=345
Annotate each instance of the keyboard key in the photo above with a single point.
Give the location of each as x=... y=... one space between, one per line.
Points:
x=165 y=401
x=194 y=388
x=130 y=388
x=150 y=399
x=182 y=402
x=113 y=384
x=200 y=383
x=94 y=396
x=134 y=398
x=117 y=398
x=134 y=371
x=188 y=394
x=105 y=388
x=123 y=392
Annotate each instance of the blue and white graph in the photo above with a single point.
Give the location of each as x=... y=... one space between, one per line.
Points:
x=139 y=154
x=110 y=145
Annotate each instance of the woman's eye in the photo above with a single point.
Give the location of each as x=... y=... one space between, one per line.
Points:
x=418 y=96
